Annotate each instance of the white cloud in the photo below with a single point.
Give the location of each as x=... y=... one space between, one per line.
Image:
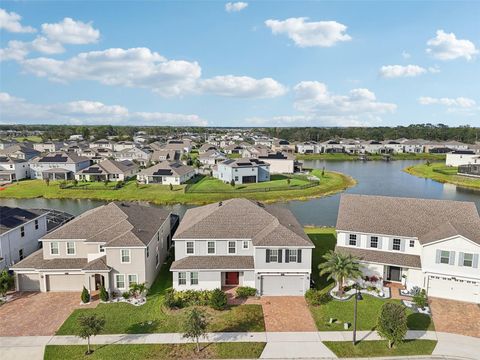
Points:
x=15 y=50
x=308 y=34
x=236 y=6
x=17 y=110
x=135 y=67
x=242 y=86
x=313 y=97
x=395 y=71
x=406 y=55
x=446 y=46
x=46 y=46
x=11 y=22
x=461 y=102
x=71 y=31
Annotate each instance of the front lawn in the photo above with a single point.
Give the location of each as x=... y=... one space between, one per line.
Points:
x=368 y=309
x=153 y=317
x=230 y=350
x=374 y=348
x=367 y=314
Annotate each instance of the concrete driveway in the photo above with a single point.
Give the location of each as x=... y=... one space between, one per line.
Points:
x=456 y=317
x=39 y=314
x=287 y=313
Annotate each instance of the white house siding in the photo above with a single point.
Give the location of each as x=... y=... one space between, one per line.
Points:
x=38 y=168
x=384 y=242
x=221 y=248
x=414 y=278
x=136 y=265
x=278 y=166
x=207 y=280
x=462 y=159
x=159 y=247
x=11 y=241
x=21 y=169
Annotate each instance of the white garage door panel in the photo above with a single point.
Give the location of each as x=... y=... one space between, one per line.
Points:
x=461 y=290
x=283 y=285
x=65 y=282
x=28 y=282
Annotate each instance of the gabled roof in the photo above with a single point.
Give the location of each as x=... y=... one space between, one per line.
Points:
x=19 y=148
x=266 y=225
x=167 y=168
x=116 y=224
x=60 y=157
x=426 y=219
x=382 y=257
x=244 y=162
x=109 y=167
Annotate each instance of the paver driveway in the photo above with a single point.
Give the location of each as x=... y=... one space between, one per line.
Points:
x=456 y=316
x=287 y=313
x=37 y=313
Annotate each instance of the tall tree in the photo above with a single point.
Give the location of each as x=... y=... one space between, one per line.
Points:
x=195 y=325
x=90 y=325
x=392 y=323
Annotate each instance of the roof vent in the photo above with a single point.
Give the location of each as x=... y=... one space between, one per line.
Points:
x=124 y=204
x=220 y=203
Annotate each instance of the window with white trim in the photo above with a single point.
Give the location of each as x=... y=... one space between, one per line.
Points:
x=245 y=244
x=125 y=256
x=182 y=278
x=36 y=224
x=132 y=279
x=374 y=242
x=232 y=247
x=54 y=248
x=444 y=257
x=396 y=244
x=412 y=243
x=120 y=281
x=70 y=248
x=352 y=240
x=468 y=260
x=292 y=255
x=101 y=248
x=22 y=231
x=190 y=247
x=210 y=247
x=194 y=278
x=273 y=255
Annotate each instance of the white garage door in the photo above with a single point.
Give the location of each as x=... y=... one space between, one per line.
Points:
x=283 y=285
x=447 y=288
x=28 y=282
x=65 y=282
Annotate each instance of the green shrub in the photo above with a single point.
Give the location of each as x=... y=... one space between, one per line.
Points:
x=126 y=295
x=420 y=299
x=103 y=294
x=316 y=297
x=245 y=291
x=169 y=299
x=85 y=295
x=218 y=299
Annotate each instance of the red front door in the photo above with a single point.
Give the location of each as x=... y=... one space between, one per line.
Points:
x=231 y=278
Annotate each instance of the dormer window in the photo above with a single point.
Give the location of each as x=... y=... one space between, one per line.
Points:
x=396 y=244
x=352 y=240
x=374 y=242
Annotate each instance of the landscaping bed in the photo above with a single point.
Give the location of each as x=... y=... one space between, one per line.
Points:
x=232 y=350
x=155 y=317
x=374 y=348
x=443 y=174
x=331 y=182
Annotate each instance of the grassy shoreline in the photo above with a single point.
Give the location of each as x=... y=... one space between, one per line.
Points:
x=331 y=182
x=441 y=173
x=374 y=157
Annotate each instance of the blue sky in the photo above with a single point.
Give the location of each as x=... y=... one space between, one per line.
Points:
x=244 y=64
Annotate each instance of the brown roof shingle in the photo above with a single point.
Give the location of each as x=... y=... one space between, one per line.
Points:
x=426 y=219
x=220 y=262
x=383 y=257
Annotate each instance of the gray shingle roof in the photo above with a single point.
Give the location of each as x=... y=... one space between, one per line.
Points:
x=383 y=257
x=175 y=168
x=11 y=217
x=220 y=262
x=111 y=167
x=426 y=219
x=266 y=225
x=117 y=224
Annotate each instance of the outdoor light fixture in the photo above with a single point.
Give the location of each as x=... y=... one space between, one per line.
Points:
x=358 y=297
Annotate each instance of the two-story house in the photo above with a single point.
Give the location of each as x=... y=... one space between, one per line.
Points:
x=12 y=169
x=20 y=230
x=432 y=244
x=113 y=245
x=239 y=242
x=242 y=171
x=57 y=166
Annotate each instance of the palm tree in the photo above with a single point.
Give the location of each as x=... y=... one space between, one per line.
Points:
x=340 y=267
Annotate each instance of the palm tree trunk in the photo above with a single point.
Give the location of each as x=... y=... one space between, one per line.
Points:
x=198 y=346
x=340 y=286
x=88 y=345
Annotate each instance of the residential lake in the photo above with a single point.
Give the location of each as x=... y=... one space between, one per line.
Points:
x=374 y=178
